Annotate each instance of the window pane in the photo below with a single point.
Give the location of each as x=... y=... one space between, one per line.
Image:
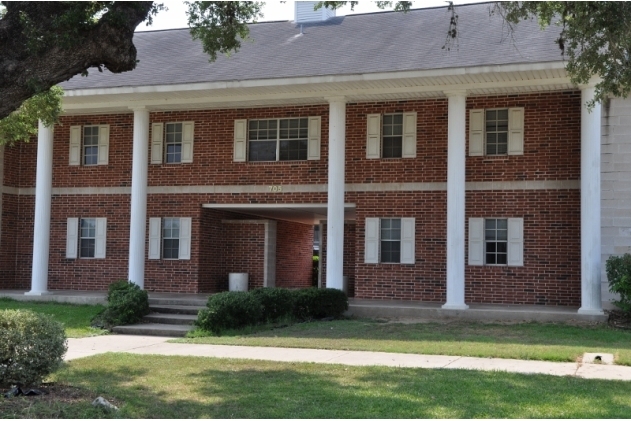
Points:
x=392 y=147
x=86 y=247
x=490 y=259
x=262 y=151
x=501 y=259
x=491 y=115
x=170 y=249
x=502 y=114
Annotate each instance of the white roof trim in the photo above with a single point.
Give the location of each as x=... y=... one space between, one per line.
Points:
x=318 y=79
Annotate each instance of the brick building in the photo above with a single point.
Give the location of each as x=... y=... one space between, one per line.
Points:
x=463 y=175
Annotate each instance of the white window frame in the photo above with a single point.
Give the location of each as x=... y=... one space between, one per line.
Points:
x=373 y=241
x=170 y=237
x=496 y=241
x=166 y=143
x=84 y=146
x=478 y=243
x=74 y=238
x=478 y=134
x=278 y=139
x=374 y=135
x=159 y=144
x=77 y=145
x=156 y=239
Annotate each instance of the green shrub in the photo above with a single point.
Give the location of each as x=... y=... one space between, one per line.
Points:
x=314 y=303
x=32 y=346
x=230 y=310
x=126 y=304
x=619 y=276
x=277 y=303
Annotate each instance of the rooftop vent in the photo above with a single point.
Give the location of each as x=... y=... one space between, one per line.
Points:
x=304 y=12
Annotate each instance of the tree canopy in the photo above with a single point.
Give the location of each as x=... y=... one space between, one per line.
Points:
x=45 y=43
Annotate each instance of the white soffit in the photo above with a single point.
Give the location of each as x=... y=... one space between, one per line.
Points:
x=315 y=90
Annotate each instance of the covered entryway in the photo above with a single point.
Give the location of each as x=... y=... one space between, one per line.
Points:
x=272 y=243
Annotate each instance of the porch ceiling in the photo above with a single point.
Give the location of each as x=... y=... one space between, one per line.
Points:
x=488 y=80
x=304 y=213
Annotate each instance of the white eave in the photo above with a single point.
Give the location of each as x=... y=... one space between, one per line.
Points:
x=483 y=80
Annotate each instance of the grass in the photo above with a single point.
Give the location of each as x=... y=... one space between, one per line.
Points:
x=526 y=341
x=75 y=318
x=192 y=387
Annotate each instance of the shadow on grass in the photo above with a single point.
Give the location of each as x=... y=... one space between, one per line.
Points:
x=189 y=387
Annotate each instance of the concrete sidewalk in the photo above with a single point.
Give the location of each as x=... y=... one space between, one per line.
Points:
x=84 y=347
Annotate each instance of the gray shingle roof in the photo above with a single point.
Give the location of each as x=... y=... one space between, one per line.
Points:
x=359 y=44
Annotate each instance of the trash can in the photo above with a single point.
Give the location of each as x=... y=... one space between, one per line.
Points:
x=238 y=282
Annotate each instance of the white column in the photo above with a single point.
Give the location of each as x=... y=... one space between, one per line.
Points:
x=456 y=153
x=335 y=206
x=138 y=214
x=591 y=302
x=43 y=195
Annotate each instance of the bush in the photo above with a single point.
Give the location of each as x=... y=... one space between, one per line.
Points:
x=230 y=310
x=314 y=303
x=277 y=303
x=32 y=346
x=126 y=304
x=619 y=276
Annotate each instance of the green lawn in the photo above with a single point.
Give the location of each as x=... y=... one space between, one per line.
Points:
x=193 y=387
x=527 y=341
x=75 y=318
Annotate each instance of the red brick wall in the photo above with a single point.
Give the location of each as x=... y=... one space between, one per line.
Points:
x=244 y=251
x=552 y=133
x=430 y=164
x=294 y=254
x=551 y=274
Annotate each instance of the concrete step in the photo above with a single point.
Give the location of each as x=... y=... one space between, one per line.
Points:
x=175 y=309
x=153 y=329
x=170 y=319
x=174 y=301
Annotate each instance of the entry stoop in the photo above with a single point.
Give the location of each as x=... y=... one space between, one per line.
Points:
x=170 y=316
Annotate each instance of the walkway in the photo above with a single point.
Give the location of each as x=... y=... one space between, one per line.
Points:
x=84 y=347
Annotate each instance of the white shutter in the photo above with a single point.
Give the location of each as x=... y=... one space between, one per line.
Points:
x=72 y=238
x=313 y=148
x=408 y=229
x=104 y=145
x=409 y=135
x=187 y=141
x=373 y=136
x=75 y=145
x=157 y=136
x=515 y=131
x=476 y=241
x=101 y=238
x=185 y=239
x=371 y=250
x=155 y=228
x=476 y=132
x=240 y=140
x=515 y=242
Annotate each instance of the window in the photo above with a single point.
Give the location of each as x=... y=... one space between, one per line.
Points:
x=496 y=132
x=392 y=142
x=170 y=238
x=278 y=139
x=390 y=240
x=496 y=241
x=391 y=135
x=89 y=145
x=173 y=149
x=172 y=143
x=86 y=238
